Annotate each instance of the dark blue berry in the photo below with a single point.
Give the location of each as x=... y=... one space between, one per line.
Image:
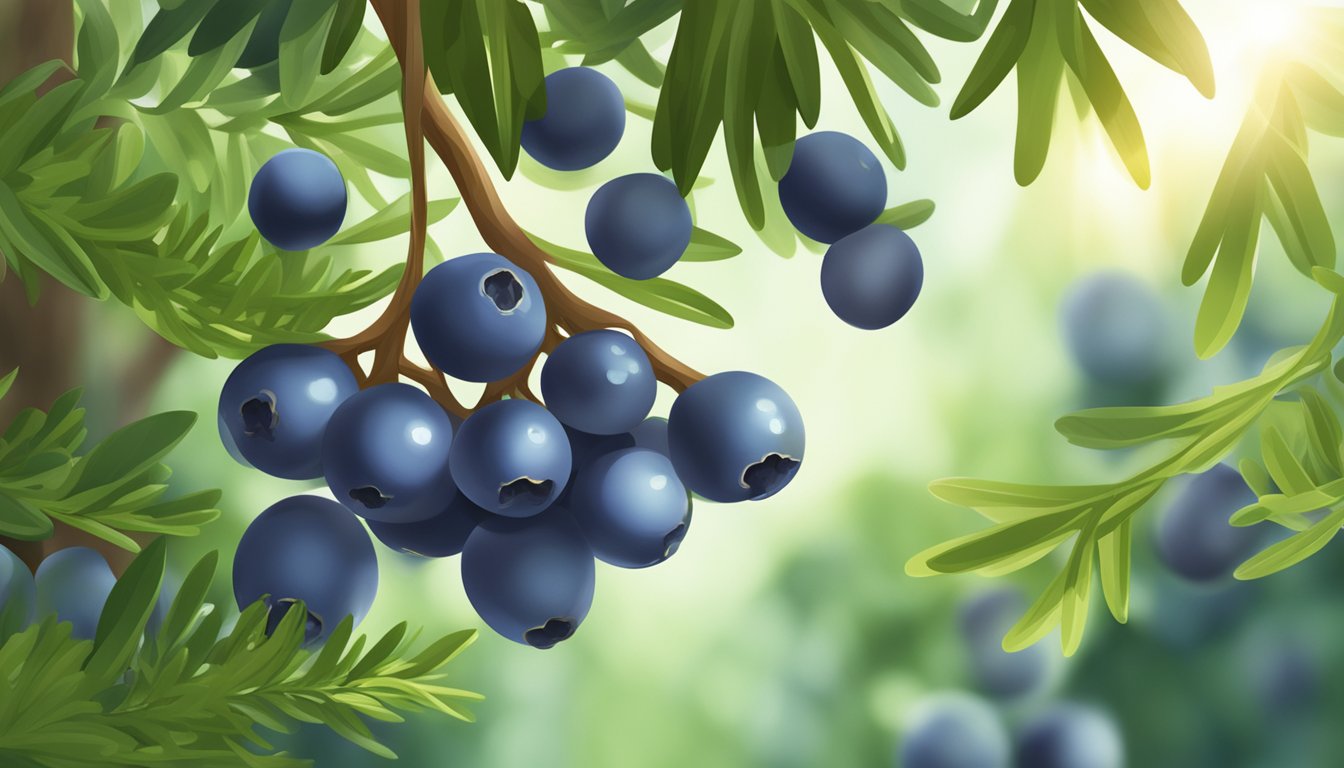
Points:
x=835 y=186
x=599 y=382
x=275 y=406
x=1116 y=330
x=386 y=454
x=297 y=200
x=512 y=458
x=735 y=436
x=871 y=278
x=18 y=594
x=638 y=225
x=984 y=621
x=309 y=549
x=584 y=120
x=632 y=508
x=530 y=580
x=478 y=317
x=955 y=730
x=1071 y=736
x=651 y=433
x=74 y=583
x=442 y=535
x=585 y=448
x=1193 y=536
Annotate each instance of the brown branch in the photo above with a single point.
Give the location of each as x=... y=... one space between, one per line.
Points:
x=427 y=115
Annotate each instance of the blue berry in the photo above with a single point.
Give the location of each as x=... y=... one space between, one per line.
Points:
x=585 y=448
x=1116 y=330
x=74 y=583
x=984 y=621
x=954 y=730
x=275 y=406
x=584 y=120
x=871 y=278
x=530 y=580
x=632 y=508
x=835 y=186
x=651 y=433
x=309 y=549
x=1071 y=736
x=599 y=382
x=297 y=200
x=18 y=594
x=442 y=535
x=735 y=436
x=638 y=225
x=478 y=317
x=512 y=458
x=1193 y=536
x=386 y=454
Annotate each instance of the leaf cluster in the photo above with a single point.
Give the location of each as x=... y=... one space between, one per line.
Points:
x=119 y=485
x=194 y=693
x=1032 y=521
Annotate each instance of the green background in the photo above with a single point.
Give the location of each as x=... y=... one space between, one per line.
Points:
x=786 y=632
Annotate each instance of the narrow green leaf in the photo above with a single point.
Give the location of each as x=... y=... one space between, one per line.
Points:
x=128 y=607
x=167 y=27
x=222 y=23
x=133 y=449
x=1002 y=52
x=707 y=246
x=908 y=215
x=1292 y=550
x=1113 y=553
x=345 y=27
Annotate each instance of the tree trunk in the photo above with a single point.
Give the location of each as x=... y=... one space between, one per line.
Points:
x=44 y=340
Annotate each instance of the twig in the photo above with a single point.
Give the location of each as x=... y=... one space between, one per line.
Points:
x=428 y=118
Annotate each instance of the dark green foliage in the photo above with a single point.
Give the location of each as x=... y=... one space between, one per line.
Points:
x=1042 y=39
x=116 y=486
x=188 y=695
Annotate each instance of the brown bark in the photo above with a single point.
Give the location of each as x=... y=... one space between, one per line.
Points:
x=43 y=339
x=565 y=311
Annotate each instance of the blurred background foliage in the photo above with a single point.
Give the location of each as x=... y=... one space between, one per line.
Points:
x=786 y=633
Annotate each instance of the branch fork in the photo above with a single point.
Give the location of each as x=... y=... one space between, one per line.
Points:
x=427 y=118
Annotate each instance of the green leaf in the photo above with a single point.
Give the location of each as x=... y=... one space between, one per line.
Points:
x=48 y=249
x=1039 y=71
x=1300 y=204
x=20 y=521
x=344 y=28
x=393 y=220
x=133 y=449
x=302 y=38
x=167 y=27
x=909 y=215
x=663 y=295
x=7 y=381
x=1292 y=550
x=224 y=22
x=1085 y=58
x=1113 y=557
x=128 y=607
x=1002 y=51
x=1229 y=288
x=707 y=246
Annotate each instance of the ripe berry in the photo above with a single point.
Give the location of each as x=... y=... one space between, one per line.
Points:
x=386 y=454
x=1193 y=536
x=955 y=730
x=651 y=433
x=1115 y=329
x=834 y=186
x=984 y=620
x=442 y=535
x=512 y=458
x=735 y=436
x=871 y=278
x=309 y=549
x=74 y=583
x=584 y=449
x=638 y=225
x=297 y=200
x=584 y=120
x=632 y=508
x=478 y=317
x=275 y=406
x=530 y=580
x=599 y=382
x=18 y=594
x=1071 y=736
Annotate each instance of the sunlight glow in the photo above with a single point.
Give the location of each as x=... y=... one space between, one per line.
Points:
x=1273 y=23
